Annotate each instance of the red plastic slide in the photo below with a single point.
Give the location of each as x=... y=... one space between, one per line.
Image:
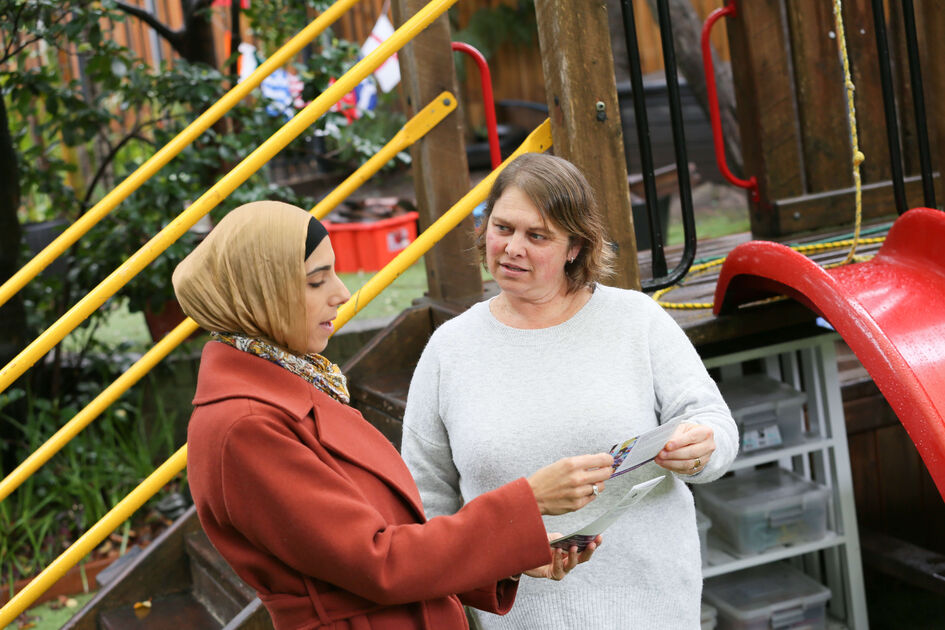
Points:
x=890 y=311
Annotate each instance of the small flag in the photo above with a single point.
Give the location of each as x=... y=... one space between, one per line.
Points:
x=388 y=73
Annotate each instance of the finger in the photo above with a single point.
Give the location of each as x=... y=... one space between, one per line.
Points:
x=689 y=453
x=595 y=461
x=687 y=434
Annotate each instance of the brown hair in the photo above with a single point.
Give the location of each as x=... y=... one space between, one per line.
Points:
x=565 y=198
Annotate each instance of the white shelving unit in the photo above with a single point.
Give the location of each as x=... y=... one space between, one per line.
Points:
x=809 y=365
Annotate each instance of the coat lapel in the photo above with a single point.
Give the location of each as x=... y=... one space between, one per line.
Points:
x=344 y=431
x=226 y=372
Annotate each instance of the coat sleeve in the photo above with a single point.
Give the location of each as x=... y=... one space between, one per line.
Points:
x=425 y=444
x=686 y=392
x=287 y=500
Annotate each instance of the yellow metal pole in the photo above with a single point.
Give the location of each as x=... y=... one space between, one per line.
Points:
x=144 y=172
x=90 y=539
x=424 y=120
x=416 y=128
x=253 y=162
x=538 y=141
x=101 y=402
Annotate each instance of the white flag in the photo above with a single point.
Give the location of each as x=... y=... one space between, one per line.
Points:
x=388 y=74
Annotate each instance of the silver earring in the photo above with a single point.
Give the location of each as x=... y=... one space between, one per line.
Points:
x=571 y=259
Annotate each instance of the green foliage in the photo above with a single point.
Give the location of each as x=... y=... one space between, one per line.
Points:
x=81 y=483
x=490 y=27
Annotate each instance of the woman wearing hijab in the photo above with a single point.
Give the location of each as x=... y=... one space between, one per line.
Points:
x=309 y=503
x=563 y=365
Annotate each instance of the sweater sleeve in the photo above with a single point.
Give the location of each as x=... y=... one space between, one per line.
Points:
x=686 y=392
x=425 y=443
x=321 y=524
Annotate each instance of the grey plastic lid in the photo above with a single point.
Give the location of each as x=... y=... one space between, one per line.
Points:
x=757 y=392
x=764 y=590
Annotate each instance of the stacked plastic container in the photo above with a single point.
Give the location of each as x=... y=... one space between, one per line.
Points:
x=767 y=597
x=761 y=508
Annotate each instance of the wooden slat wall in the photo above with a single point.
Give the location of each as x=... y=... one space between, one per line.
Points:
x=516 y=70
x=793 y=110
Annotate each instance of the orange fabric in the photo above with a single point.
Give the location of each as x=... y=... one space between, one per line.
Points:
x=315 y=509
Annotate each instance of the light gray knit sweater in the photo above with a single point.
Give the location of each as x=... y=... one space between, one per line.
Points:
x=489 y=403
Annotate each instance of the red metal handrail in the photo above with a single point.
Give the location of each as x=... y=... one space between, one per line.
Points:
x=488 y=101
x=712 y=96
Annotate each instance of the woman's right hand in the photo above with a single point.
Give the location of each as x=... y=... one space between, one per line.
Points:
x=569 y=483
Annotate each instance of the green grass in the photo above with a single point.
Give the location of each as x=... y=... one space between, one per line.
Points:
x=710 y=227
x=53 y=615
x=408 y=286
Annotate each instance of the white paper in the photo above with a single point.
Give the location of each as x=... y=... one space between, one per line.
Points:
x=582 y=537
x=641 y=449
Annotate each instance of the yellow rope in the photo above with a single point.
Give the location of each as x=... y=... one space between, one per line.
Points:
x=858 y=159
x=858 y=156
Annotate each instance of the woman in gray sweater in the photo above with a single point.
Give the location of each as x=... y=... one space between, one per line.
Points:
x=557 y=364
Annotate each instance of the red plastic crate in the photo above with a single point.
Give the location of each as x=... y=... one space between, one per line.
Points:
x=370 y=246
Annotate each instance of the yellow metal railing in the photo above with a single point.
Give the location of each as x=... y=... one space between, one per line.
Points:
x=538 y=141
x=144 y=172
x=416 y=128
x=253 y=162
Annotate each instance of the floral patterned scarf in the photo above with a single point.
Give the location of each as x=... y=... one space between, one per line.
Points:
x=314 y=368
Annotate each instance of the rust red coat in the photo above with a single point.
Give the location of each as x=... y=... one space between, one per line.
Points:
x=315 y=509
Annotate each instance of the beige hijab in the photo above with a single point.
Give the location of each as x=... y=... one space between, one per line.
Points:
x=248 y=274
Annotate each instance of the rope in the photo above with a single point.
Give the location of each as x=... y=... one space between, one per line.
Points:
x=858 y=156
x=857 y=160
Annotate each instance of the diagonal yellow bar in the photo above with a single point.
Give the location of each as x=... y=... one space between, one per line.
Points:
x=538 y=141
x=157 y=161
x=425 y=120
x=416 y=128
x=96 y=534
x=253 y=162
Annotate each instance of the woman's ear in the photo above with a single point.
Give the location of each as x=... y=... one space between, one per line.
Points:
x=574 y=250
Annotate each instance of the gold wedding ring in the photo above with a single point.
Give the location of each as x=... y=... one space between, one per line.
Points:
x=697 y=464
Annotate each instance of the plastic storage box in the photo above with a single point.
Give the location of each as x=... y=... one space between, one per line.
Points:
x=703 y=522
x=763 y=508
x=370 y=246
x=776 y=596
x=709 y=617
x=769 y=413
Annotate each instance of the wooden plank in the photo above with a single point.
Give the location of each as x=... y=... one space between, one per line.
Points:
x=864 y=66
x=866 y=480
x=440 y=169
x=895 y=27
x=836 y=207
x=162 y=568
x=900 y=468
x=769 y=132
x=930 y=15
x=585 y=114
x=821 y=98
x=909 y=562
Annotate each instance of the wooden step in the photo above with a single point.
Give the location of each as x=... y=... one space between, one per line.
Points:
x=215 y=584
x=177 y=611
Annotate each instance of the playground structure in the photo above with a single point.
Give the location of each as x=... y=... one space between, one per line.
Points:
x=803 y=184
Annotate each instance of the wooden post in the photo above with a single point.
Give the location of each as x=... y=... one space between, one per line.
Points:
x=440 y=169
x=931 y=16
x=585 y=116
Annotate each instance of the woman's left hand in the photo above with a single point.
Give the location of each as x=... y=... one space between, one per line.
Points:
x=688 y=450
x=563 y=561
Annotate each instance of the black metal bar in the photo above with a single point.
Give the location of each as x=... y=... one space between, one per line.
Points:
x=682 y=158
x=918 y=100
x=889 y=105
x=643 y=139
